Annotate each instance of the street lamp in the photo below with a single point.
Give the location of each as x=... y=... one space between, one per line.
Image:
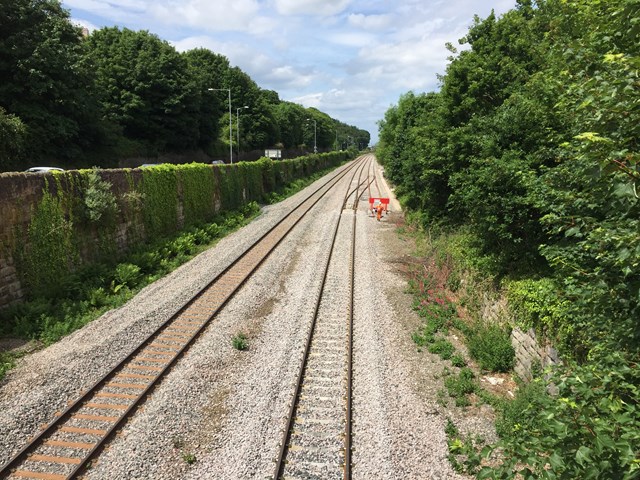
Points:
x=230 y=128
x=315 y=136
x=238 y=127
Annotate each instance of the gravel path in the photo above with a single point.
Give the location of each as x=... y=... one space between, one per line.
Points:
x=220 y=411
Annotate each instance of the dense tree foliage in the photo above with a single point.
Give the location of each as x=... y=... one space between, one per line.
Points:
x=532 y=144
x=144 y=87
x=46 y=84
x=120 y=93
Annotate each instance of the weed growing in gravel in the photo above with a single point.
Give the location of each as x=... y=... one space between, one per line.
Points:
x=442 y=347
x=441 y=397
x=189 y=458
x=239 y=341
x=7 y=362
x=461 y=385
x=458 y=361
x=463 y=455
x=491 y=346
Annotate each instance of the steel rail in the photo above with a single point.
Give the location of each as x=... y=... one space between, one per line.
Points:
x=35 y=442
x=281 y=459
x=348 y=440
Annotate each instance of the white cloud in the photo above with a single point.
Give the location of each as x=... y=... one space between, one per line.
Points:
x=351 y=39
x=404 y=65
x=370 y=22
x=268 y=72
x=220 y=15
x=103 y=5
x=286 y=76
x=320 y=8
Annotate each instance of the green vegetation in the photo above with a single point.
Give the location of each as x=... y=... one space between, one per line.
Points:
x=51 y=251
x=524 y=170
x=68 y=293
x=93 y=290
x=240 y=341
x=119 y=93
x=7 y=362
x=491 y=346
x=461 y=385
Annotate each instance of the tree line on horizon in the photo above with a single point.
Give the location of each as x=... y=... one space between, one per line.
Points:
x=117 y=93
x=530 y=149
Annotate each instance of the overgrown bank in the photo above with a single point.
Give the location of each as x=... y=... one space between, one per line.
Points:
x=577 y=420
x=528 y=155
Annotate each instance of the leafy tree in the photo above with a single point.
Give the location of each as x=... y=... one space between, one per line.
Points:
x=145 y=87
x=533 y=143
x=208 y=70
x=12 y=140
x=290 y=118
x=45 y=79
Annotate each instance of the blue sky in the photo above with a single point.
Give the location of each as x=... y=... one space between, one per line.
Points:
x=351 y=59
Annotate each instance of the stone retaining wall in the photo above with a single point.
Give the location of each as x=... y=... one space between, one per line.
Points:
x=529 y=353
x=21 y=193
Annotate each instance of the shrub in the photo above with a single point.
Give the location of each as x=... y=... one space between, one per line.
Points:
x=514 y=413
x=588 y=430
x=127 y=274
x=99 y=200
x=490 y=345
x=536 y=303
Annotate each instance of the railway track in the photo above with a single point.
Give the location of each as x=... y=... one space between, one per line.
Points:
x=65 y=447
x=316 y=442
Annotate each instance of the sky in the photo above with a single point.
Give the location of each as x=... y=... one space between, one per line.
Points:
x=351 y=59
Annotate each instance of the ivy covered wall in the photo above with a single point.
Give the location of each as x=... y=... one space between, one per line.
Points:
x=51 y=224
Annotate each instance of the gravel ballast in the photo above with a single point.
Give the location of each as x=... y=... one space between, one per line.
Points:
x=220 y=412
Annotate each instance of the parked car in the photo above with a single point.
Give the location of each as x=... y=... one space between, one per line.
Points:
x=44 y=169
x=218 y=162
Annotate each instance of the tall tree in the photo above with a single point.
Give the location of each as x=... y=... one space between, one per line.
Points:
x=145 y=87
x=44 y=79
x=209 y=70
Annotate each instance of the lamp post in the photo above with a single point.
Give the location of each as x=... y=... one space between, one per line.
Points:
x=230 y=128
x=238 y=127
x=315 y=136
